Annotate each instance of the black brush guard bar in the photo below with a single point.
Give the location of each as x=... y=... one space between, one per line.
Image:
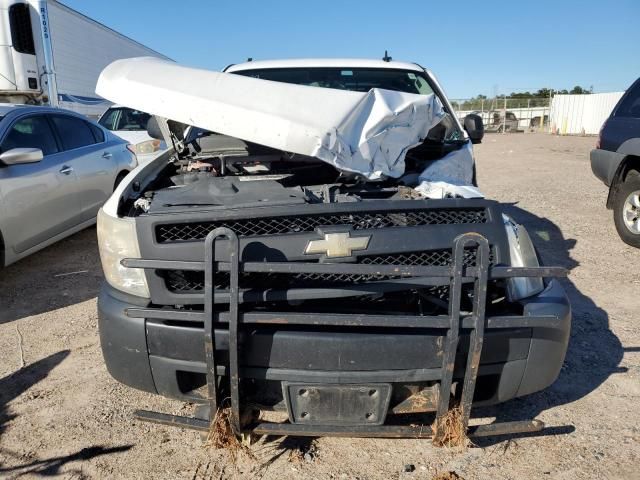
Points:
x=454 y=276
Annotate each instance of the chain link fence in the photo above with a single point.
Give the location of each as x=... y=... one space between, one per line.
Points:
x=507 y=114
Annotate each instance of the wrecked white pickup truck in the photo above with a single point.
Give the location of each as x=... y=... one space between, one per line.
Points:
x=314 y=244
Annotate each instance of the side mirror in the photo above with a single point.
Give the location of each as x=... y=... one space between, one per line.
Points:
x=155 y=131
x=474 y=127
x=153 y=128
x=17 y=156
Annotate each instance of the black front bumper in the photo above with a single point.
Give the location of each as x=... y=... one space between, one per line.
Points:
x=418 y=315
x=167 y=357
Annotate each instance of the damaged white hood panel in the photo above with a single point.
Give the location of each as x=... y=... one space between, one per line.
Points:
x=450 y=177
x=366 y=133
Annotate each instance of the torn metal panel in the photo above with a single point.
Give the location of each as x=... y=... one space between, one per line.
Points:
x=450 y=177
x=374 y=138
x=366 y=133
x=455 y=168
x=438 y=190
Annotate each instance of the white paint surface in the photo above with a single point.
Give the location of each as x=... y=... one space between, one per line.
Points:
x=582 y=114
x=367 y=133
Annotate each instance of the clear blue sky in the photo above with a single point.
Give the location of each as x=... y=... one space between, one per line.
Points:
x=472 y=46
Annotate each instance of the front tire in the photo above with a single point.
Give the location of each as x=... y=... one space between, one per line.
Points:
x=626 y=210
x=119 y=179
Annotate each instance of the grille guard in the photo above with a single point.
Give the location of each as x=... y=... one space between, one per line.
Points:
x=455 y=276
x=190 y=281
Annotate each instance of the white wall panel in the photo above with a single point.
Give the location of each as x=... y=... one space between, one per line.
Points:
x=581 y=114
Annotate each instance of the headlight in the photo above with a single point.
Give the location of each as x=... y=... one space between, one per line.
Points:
x=523 y=254
x=117 y=239
x=149 y=146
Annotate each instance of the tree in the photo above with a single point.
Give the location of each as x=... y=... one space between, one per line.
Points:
x=539 y=98
x=578 y=90
x=543 y=93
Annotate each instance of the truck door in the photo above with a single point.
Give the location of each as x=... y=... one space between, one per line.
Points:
x=40 y=198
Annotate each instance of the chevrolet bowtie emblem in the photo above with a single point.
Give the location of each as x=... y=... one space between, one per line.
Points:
x=339 y=244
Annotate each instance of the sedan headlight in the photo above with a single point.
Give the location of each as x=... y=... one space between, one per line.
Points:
x=117 y=239
x=149 y=146
x=523 y=254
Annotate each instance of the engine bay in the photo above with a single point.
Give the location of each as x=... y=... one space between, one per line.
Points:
x=218 y=171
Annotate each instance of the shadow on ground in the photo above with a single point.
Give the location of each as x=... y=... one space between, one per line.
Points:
x=50 y=467
x=14 y=385
x=63 y=274
x=594 y=352
x=294 y=449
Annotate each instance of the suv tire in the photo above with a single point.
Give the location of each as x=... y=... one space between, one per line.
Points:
x=625 y=206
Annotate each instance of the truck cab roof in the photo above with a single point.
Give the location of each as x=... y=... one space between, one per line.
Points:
x=324 y=62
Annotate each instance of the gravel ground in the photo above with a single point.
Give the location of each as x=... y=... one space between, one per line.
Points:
x=62 y=415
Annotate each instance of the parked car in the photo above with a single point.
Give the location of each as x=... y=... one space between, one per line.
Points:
x=498 y=123
x=534 y=123
x=290 y=254
x=616 y=161
x=131 y=125
x=57 y=168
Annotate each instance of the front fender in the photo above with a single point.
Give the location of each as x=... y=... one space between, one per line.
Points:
x=143 y=174
x=605 y=164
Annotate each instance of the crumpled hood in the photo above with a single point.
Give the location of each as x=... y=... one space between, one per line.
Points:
x=366 y=133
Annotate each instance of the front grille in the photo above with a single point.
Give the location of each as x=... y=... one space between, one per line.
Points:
x=178 y=232
x=186 y=281
x=183 y=281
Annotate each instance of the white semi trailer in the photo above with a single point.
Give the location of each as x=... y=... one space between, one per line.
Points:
x=52 y=54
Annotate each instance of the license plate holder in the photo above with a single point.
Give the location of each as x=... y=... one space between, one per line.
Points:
x=337 y=404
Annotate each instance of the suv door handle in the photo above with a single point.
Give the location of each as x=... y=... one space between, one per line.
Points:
x=107 y=155
x=66 y=170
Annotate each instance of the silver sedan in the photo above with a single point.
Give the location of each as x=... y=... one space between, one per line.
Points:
x=57 y=168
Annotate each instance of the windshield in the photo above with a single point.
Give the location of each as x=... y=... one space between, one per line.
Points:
x=355 y=79
x=362 y=80
x=124 y=119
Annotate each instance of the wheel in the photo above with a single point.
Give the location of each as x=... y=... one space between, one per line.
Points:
x=626 y=210
x=1 y=252
x=119 y=178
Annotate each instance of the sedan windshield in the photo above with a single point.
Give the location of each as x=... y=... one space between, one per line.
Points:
x=355 y=79
x=119 y=119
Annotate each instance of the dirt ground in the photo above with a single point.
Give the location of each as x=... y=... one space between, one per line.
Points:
x=62 y=415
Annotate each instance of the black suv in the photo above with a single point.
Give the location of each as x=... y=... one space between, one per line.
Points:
x=616 y=161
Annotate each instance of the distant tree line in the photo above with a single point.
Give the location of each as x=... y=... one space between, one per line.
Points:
x=539 y=98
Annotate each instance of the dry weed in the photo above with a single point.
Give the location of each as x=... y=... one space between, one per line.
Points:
x=448 y=476
x=221 y=436
x=454 y=434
